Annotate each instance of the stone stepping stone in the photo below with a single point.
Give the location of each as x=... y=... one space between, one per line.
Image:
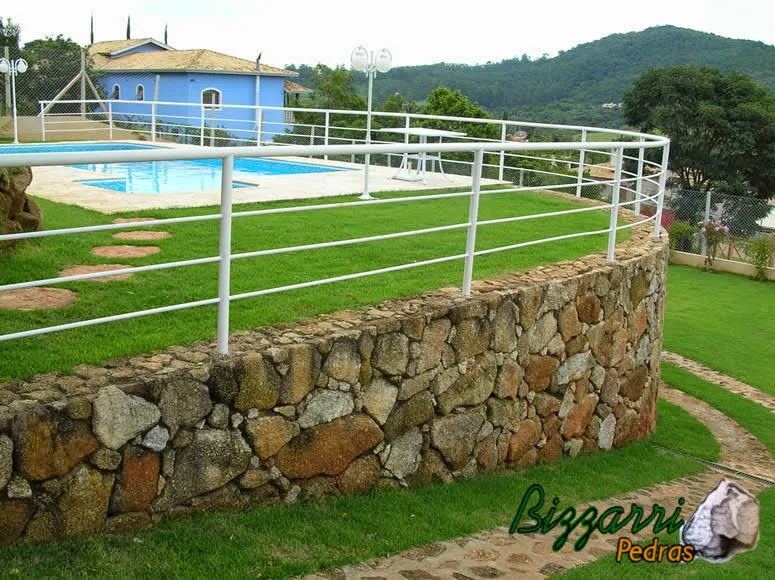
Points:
x=124 y=251
x=133 y=220
x=36 y=298
x=75 y=270
x=139 y=235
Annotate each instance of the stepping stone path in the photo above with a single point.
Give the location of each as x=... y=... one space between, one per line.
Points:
x=75 y=270
x=124 y=251
x=141 y=235
x=48 y=298
x=36 y=298
x=495 y=553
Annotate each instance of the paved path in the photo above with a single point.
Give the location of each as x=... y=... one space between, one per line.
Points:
x=496 y=554
x=729 y=383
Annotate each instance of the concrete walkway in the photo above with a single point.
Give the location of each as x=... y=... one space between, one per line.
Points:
x=497 y=554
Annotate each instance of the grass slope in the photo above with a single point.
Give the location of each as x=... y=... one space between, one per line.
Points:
x=724 y=321
x=44 y=258
x=280 y=541
x=678 y=429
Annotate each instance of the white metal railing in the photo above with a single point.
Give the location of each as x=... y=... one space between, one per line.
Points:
x=621 y=181
x=197 y=123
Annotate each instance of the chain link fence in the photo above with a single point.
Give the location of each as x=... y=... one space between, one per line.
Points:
x=746 y=218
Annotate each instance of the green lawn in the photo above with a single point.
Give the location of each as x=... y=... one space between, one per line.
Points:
x=751 y=416
x=44 y=258
x=679 y=430
x=280 y=541
x=724 y=321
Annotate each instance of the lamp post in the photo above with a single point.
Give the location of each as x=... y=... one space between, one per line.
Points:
x=12 y=67
x=364 y=61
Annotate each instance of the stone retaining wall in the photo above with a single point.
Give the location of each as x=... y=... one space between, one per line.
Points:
x=557 y=360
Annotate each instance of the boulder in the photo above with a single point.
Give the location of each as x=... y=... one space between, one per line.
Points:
x=471 y=388
x=361 y=475
x=6 y=459
x=183 y=403
x=415 y=411
x=49 y=444
x=579 y=416
x=258 y=382
x=509 y=379
x=472 y=337
x=379 y=400
x=303 y=371
x=539 y=372
x=18 y=213
x=391 y=353
x=267 y=435
x=343 y=362
x=404 y=456
x=325 y=405
x=327 y=449
x=455 y=435
x=13 y=518
x=137 y=481
x=118 y=417
x=432 y=344
x=523 y=440
x=505 y=327
x=210 y=461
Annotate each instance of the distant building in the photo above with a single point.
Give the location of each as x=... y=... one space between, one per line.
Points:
x=611 y=105
x=145 y=70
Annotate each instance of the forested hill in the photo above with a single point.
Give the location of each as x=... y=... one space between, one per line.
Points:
x=572 y=86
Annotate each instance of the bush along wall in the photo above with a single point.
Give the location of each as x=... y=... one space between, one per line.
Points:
x=555 y=361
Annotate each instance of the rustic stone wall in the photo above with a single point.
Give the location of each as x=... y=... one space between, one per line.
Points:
x=558 y=360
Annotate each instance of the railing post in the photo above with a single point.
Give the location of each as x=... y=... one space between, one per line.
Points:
x=473 y=217
x=503 y=153
x=706 y=218
x=325 y=134
x=352 y=157
x=312 y=137
x=153 y=122
x=42 y=123
x=639 y=182
x=224 y=251
x=661 y=197
x=521 y=176
x=259 y=127
x=201 y=125
x=615 y=205
x=581 y=164
x=110 y=120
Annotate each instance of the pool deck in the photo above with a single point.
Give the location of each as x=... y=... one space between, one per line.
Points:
x=59 y=183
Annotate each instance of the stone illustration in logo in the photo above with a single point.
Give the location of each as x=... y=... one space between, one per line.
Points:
x=725 y=523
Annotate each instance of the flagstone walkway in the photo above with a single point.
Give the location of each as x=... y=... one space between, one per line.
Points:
x=729 y=383
x=495 y=553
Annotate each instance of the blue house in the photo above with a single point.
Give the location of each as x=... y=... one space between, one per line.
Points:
x=200 y=82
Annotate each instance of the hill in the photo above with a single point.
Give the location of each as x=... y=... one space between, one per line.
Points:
x=571 y=87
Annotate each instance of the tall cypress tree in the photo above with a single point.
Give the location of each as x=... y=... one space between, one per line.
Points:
x=91 y=29
x=128 y=27
x=165 y=34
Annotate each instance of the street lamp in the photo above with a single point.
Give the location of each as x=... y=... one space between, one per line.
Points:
x=364 y=61
x=13 y=67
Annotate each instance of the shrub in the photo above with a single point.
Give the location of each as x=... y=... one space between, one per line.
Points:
x=760 y=250
x=682 y=236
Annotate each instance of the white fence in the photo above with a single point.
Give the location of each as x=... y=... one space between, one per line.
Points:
x=227 y=125
x=623 y=181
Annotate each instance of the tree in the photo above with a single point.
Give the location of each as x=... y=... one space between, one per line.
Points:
x=54 y=62
x=446 y=102
x=722 y=128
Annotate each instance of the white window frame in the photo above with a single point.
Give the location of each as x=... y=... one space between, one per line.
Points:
x=137 y=91
x=207 y=107
x=115 y=94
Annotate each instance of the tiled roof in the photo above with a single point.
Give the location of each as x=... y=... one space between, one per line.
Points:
x=292 y=87
x=173 y=60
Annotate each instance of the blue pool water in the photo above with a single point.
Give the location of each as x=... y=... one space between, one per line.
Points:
x=150 y=177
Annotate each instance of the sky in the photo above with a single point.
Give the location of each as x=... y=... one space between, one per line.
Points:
x=415 y=32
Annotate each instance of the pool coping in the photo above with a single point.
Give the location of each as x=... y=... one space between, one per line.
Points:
x=60 y=184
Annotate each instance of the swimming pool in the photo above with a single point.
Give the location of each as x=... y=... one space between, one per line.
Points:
x=154 y=177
